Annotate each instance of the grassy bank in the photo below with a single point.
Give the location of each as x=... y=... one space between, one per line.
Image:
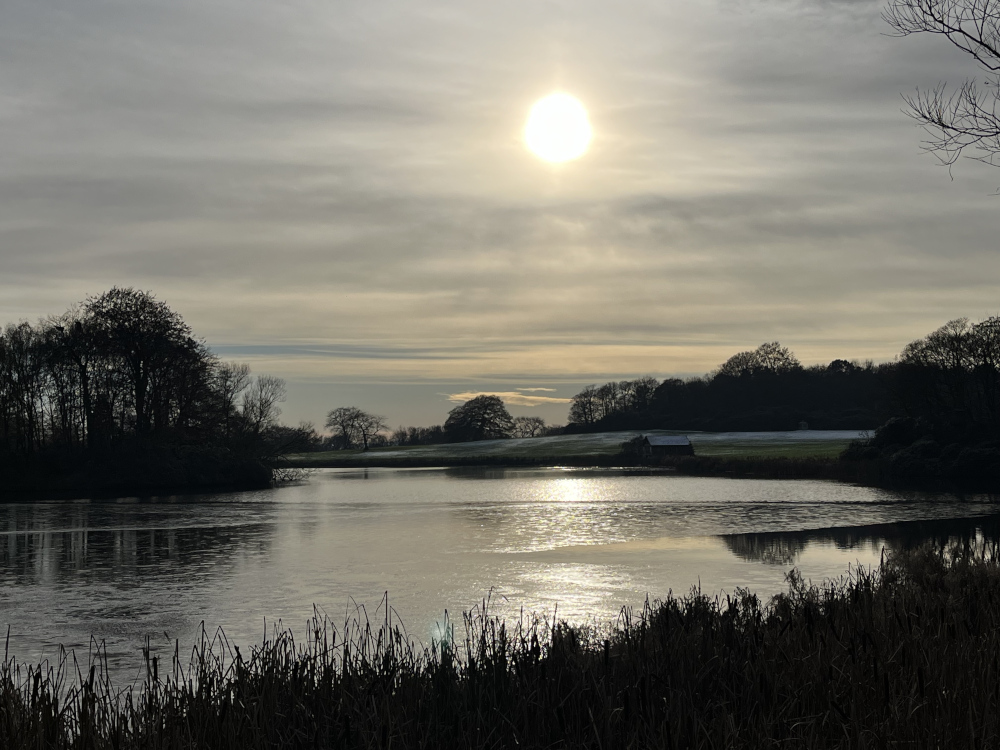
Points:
x=591 y=449
x=905 y=656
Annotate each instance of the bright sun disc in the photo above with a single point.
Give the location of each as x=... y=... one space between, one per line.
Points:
x=557 y=128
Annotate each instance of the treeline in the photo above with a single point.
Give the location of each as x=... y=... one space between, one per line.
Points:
x=946 y=428
x=947 y=383
x=763 y=389
x=935 y=410
x=950 y=380
x=484 y=417
x=118 y=391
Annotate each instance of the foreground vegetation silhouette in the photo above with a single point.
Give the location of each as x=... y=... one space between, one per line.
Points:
x=905 y=655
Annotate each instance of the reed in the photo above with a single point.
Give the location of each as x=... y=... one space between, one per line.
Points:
x=905 y=655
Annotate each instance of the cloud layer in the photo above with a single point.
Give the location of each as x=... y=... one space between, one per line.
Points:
x=338 y=193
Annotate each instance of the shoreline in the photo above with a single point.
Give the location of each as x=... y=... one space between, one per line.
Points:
x=867 y=473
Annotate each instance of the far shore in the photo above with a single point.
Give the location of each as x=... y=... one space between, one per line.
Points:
x=770 y=455
x=750 y=455
x=585 y=449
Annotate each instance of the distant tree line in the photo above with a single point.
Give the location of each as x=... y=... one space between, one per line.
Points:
x=762 y=389
x=945 y=431
x=949 y=380
x=122 y=373
x=484 y=417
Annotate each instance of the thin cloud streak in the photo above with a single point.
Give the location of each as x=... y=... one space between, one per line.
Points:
x=516 y=398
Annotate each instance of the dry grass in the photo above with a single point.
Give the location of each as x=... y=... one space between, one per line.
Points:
x=904 y=656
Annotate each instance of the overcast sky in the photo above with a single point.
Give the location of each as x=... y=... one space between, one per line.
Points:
x=339 y=194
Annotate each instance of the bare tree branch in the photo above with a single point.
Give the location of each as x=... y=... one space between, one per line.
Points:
x=967 y=119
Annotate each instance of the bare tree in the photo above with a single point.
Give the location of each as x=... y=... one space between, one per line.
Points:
x=368 y=426
x=528 y=427
x=351 y=426
x=343 y=422
x=260 y=403
x=230 y=380
x=585 y=406
x=970 y=116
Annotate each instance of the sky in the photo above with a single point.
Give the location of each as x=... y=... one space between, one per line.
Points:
x=338 y=193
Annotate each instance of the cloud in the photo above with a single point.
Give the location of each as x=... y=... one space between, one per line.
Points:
x=515 y=398
x=339 y=193
x=530 y=390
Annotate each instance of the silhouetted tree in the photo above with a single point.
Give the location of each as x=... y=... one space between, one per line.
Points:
x=766 y=359
x=595 y=405
x=343 y=422
x=481 y=418
x=352 y=426
x=761 y=389
x=229 y=381
x=528 y=427
x=22 y=389
x=147 y=342
x=368 y=428
x=952 y=377
x=583 y=408
x=260 y=410
x=121 y=375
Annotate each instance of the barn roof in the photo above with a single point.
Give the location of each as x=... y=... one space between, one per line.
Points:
x=667 y=440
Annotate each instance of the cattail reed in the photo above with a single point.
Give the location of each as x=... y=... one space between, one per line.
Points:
x=905 y=655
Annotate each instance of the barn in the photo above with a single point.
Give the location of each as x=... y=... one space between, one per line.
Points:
x=655 y=446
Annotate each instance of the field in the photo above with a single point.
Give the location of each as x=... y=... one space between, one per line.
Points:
x=599 y=446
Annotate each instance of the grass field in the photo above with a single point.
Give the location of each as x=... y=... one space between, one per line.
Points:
x=599 y=445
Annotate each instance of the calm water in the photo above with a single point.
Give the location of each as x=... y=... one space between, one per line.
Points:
x=579 y=543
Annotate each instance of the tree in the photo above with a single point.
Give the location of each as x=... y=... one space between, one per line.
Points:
x=952 y=375
x=481 y=418
x=145 y=339
x=260 y=404
x=342 y=421
x=230 y=380
x=970 y=116
x=351 y=426
x=771 y=358
x=368 y=426
x=528 y=427
x=121 y=375
x=584 y=406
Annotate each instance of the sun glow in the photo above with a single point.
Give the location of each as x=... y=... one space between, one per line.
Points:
x=557 y=128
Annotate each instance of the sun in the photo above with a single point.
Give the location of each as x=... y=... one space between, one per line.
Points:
x=558 y=128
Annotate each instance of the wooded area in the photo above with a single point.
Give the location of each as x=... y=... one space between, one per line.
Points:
x=949 y=380
x=118 y=390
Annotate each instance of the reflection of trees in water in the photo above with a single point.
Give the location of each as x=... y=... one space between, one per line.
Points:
x=67 y=541
x=784 y=547
x=771 y=549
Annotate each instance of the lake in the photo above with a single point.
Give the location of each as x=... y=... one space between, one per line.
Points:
x=577 y=544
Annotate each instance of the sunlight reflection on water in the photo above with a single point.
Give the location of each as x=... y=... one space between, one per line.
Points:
x=579 y=543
